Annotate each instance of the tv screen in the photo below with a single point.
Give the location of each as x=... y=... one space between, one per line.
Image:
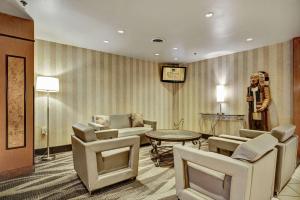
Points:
x=173 y=74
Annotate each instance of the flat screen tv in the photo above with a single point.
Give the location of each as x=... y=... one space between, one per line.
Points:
x=173 y=74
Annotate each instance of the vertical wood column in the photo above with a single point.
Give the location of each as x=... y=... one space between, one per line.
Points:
x=16 y=41
x=296 y=61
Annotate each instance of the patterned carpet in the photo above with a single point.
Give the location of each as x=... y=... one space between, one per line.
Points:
x=58 y=180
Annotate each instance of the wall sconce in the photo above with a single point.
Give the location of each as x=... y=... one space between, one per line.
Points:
x=220 y=96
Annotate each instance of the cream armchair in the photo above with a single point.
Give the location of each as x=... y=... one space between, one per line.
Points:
x=287 y=151
x=209 y=175
x=100 y=163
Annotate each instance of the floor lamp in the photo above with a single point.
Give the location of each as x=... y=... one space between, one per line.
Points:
x=48 y=85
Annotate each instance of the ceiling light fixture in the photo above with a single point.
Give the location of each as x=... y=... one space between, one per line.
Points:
x=157 y=40
x=175 y=48
x=157 y=54
x=24 y=3
x=121 y=31
x=106 y=41
x=209 y=14
x=175 y=58
x=249 y=39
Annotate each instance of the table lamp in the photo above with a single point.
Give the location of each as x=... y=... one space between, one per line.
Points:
x=220 y=96
x=47 y=84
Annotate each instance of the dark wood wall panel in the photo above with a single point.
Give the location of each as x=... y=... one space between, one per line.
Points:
x=296 y=61
x=16 y=27
x=14 y=44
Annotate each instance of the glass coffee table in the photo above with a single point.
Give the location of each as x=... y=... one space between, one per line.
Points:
x=165 y=153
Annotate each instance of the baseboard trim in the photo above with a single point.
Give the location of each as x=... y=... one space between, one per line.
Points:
x=53 y=150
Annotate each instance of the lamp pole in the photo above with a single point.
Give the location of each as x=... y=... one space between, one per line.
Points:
x=48 y=156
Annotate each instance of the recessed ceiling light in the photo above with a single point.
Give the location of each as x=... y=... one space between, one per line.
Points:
x=157 y=54
x=121 y=31
x=175 y=58
x=249 y=39
x=106 y=41
x=157 y=40
x=209 y=14
x=175 y=48
x=24 y=3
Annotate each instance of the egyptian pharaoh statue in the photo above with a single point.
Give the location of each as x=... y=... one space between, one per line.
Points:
x=258 y=98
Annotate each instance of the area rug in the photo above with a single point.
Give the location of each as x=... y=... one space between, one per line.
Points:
x=57 y=180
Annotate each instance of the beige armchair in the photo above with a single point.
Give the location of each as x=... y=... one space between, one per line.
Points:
x=100 y=163
x=209 y=175
x=287 y=151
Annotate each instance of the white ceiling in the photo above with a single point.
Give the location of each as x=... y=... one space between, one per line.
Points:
x=13 y=8
x=181 y=23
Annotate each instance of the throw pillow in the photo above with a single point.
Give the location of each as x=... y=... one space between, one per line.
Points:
x=103 y=120
x=137 y=120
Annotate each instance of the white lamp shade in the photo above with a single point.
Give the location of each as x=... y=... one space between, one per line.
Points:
x=47 y=84
x=220 y=93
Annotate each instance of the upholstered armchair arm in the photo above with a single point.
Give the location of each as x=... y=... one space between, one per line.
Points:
x=232 y=137
x=240 y=172
x=114 y=143
x=217 y=144
x=153 y=124
x=97 y=127
x=248 y=133
x=106 y=134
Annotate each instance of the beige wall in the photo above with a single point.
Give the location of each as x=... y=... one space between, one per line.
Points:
x=93 y=82
x=97 y=82
x=198 y=93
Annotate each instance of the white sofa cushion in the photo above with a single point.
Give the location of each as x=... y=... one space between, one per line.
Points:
x=120 y=121
x=283 y=132
x=133 y=131
x=254 y=149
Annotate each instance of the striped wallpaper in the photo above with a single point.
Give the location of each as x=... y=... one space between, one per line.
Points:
x=93 y=82
x=198 y=93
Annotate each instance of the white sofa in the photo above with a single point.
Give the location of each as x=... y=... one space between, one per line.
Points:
x=123 y=124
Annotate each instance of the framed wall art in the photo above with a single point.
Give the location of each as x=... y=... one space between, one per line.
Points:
x=15 y=102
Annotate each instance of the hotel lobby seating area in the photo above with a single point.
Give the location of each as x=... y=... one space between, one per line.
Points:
x=150 y=100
